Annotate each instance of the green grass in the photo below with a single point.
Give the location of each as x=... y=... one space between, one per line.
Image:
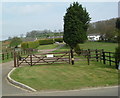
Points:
x=66 y=76
x=51 y=46
x=109 y=47
x=99 y=45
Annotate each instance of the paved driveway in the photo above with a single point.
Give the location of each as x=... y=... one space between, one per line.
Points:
x=7 y=88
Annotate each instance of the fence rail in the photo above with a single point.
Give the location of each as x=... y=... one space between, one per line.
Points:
x=44 y=58
x=10 y=54
x=102 y=56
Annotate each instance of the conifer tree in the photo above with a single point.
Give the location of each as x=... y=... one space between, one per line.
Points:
x=76 y=22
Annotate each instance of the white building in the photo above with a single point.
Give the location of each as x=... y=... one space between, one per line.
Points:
x=93 y=37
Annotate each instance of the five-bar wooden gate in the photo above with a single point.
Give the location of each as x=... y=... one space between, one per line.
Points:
x=44 y=58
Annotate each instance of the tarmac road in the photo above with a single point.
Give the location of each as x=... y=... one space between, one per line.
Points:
x=10 y=90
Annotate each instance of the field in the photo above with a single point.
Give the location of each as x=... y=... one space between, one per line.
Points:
x=109 y=47
x=66 y=76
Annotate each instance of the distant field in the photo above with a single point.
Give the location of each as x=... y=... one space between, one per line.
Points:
x=99 y=45
x=110 y=47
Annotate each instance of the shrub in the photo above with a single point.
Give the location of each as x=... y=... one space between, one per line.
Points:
x=33 y=44
x=77 y=49
x=24 y=45
x=46 y=41
x=59 y=40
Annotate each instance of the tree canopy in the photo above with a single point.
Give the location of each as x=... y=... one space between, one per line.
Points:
x=118 y=48
x=15 y=42
x=76 y=22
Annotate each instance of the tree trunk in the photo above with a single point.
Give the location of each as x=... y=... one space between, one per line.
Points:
x=72 y=58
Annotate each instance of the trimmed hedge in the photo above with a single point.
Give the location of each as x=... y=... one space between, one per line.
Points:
x=24 y=45
x=35 y=44
x=59 y=40
x=46 y=41
x=32 y=45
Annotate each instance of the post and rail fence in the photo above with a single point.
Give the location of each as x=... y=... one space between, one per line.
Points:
x=90 y=54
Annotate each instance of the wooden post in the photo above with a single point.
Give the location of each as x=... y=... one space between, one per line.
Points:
x=31 y=59
x=116 y=63
x=88 y=56
x=3 y=56
x=100 y=55
x=69 y=58
x=15 y=64
x=96 y=51
x=7 y=55
x=103 y=57
x=17 y=60
x=72 y=58
x=109 y=59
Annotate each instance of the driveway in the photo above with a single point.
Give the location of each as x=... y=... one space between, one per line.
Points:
x=7 y=88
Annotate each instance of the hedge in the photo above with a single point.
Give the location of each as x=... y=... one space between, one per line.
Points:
x=24 y=45
x=46 y=41
x=32 y=45
x=59 y=40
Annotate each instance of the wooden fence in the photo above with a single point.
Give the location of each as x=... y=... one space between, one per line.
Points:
x=44 y=58
x=102 y=56
x=10 y=54
x=109 y=58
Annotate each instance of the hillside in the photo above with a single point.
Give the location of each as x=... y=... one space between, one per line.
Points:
x=104 y=28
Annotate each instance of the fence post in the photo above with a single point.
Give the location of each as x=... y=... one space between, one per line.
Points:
x=109 y=59
x=69 y=58
x=31 y=59
x=7 y=55
x=116 y=63
x=3 y=56
x=96 y=51
x=15 y=64
x=88 y=56
x=103 y=57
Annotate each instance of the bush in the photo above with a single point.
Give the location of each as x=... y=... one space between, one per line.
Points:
x=77 y=49
x=33 y=44
x=59 y=40
x=24 y=45
x=46 y=41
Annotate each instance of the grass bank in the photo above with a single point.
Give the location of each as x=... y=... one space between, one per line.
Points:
x=66 y=77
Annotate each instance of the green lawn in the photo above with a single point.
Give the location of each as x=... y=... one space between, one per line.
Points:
x=51 y=46
x=99 y=45
x=110 y=47
x=66 y=76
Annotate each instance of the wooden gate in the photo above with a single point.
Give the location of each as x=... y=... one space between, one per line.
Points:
x=41 y=59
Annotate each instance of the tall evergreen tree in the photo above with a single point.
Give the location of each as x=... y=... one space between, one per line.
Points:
x=118 y=48
x=76 y=22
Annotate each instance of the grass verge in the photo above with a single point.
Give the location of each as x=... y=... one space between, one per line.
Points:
x=66 y=76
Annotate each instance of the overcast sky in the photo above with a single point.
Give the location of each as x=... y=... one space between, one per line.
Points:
x=20 y=17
